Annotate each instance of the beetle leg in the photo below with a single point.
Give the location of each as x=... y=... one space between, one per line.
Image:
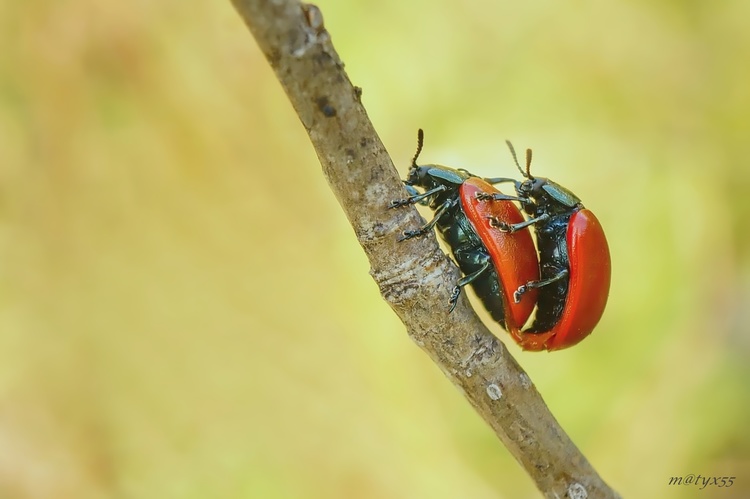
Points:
x=537 y=284
x=500 y=180
x=416 y=198
x=506 y=227
x=439 y=212
x=486 y=196
x=464 y=281
x=498 y=196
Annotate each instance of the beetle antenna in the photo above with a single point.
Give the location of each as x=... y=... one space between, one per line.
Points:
x=515 y=159
x=528 y=164
x=420 y=143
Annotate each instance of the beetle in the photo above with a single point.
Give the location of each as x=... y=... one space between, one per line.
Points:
x=574 y=260
x=494 y=262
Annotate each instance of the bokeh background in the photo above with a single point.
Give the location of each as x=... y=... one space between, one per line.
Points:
x=185 y=313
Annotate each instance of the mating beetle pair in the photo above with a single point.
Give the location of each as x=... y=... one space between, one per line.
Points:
x=566 y=276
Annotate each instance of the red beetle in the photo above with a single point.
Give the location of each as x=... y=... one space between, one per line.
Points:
x=574 y=260
x=494 y=262
x=514 y=258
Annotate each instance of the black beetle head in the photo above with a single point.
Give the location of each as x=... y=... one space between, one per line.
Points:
x=418 y=175
x=530 y=186
x=542 y=190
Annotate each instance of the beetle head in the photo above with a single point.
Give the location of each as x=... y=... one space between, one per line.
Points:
x=531 y=185
x=430 y=176
x=544 y=191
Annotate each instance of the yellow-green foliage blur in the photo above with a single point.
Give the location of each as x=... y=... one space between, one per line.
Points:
x=185 y=313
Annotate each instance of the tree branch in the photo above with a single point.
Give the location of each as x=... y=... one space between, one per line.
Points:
x=415 y=277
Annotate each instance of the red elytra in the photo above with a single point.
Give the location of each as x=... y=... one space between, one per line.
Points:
x=513 y=255
x=588 y=287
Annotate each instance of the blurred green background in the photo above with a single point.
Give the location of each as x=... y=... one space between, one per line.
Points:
x=185 y=313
